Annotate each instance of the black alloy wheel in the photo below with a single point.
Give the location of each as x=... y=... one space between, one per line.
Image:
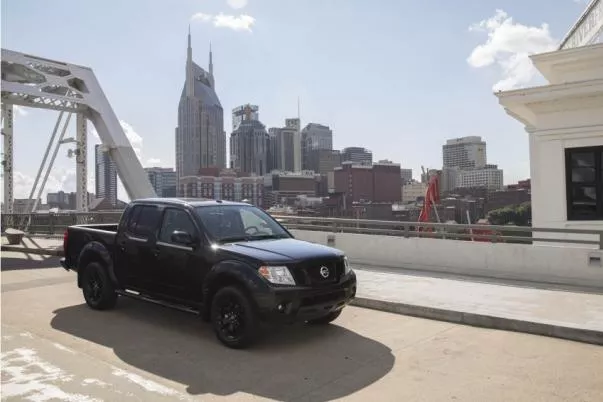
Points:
x=99 y=291
x=233 y=317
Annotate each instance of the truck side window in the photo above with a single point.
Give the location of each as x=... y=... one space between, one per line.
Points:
x=146 y=221
x=133 y=218
x=175 y=219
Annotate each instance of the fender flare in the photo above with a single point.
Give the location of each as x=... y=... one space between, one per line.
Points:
x=232 y=271
x=95 y=251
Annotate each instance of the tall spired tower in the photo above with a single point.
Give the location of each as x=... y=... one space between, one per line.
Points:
x=200 y=136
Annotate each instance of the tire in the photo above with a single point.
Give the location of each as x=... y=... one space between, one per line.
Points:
x=99 y=291
x=327 y=319
x=234 y=318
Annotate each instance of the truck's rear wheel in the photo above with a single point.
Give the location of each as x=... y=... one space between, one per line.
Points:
x=99 y=291
x=234 y=318
x=327 y=319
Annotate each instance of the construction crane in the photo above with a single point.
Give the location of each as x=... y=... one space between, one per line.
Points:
x=432 y=197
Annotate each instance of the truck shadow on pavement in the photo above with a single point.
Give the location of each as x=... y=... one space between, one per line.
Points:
x=11 y=264
x=317 y=363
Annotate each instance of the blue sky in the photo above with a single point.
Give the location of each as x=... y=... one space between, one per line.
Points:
x=398 y=77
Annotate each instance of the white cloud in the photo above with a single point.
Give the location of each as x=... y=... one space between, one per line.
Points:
x=134 y=138
x=201 y=17
x=153 y=162
x=59 y=179
x=508 y=46
x=236 y=4
x=241 y=22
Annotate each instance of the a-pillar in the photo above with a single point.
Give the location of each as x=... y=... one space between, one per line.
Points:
x=81 y=163
x=566 y=114
x=7 y=162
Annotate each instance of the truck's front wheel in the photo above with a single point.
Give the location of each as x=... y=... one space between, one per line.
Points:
x=234 y=318
x=97 y=287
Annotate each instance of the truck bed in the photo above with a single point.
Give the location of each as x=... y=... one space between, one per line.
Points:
x=80 y=235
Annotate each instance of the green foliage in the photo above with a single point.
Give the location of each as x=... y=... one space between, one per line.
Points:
x=520 y=215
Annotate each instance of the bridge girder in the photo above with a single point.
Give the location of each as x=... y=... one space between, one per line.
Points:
x=42 y=83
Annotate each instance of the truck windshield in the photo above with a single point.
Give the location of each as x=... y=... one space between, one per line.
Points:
x=229 y=223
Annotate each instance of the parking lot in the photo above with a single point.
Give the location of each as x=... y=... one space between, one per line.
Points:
x=53 y=346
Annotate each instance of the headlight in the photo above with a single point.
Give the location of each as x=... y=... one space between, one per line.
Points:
x=278 y=275
x=347 y=266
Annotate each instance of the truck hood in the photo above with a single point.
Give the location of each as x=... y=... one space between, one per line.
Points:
x=281 y=250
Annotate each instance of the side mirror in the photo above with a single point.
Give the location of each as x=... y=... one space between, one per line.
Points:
x=180 y=237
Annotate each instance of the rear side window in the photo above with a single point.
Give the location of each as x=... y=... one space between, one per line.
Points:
x=133 y=218
x=143 y=220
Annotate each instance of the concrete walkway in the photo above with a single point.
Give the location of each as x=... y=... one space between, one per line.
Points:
x=563 y=314
x=557 y=313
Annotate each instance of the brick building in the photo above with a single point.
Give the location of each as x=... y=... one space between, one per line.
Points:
x=378 y=183
x=223 y=185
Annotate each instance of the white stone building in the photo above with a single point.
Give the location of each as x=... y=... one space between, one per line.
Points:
x=564 y=121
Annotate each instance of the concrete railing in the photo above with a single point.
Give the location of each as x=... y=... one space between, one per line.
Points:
x=506 y=252
x=477 y=233
x=553 y=259
x=576 y=266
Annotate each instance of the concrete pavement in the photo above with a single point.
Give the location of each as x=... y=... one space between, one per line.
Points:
x=563 y=314
x=54 y=346
x=518 y=307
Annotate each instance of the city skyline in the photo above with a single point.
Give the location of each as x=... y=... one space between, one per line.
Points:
x=412 y=141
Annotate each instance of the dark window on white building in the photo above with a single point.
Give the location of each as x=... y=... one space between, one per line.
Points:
x=584 y=183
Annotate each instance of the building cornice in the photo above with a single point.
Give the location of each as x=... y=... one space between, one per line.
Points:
x=571 y=65
x=534 y=106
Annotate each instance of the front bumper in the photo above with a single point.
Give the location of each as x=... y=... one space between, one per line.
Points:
x=295 y=304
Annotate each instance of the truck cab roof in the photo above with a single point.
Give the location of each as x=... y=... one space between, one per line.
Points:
x=191 y=202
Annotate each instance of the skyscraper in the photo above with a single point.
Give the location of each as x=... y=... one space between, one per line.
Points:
x=200 y=136
x=313 y=137
x=163 y=181
x=357 y=155
x=464 y=153
x=250 y=148
x=105 y=174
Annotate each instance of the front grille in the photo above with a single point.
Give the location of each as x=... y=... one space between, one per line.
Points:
x=320 y=271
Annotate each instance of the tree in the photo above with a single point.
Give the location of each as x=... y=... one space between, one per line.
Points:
x=518 y=214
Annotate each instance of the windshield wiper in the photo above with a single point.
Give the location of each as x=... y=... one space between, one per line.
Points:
x=267 y=236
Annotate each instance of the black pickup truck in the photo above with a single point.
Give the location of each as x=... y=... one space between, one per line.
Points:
x=231 y=263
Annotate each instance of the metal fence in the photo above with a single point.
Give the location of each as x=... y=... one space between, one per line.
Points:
x=54 y=225
x=481 y=233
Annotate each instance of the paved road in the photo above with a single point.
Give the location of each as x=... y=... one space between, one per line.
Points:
x=53 y=346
